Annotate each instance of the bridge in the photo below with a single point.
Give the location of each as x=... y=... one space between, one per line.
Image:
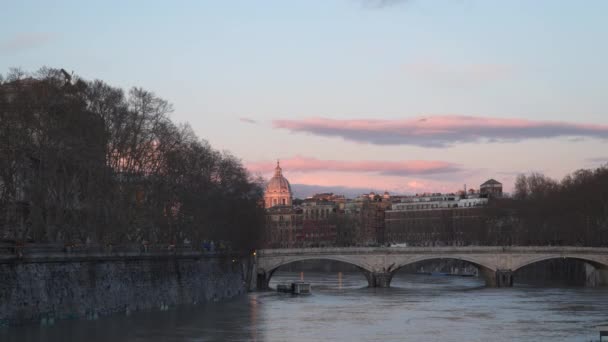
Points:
x=497 y=265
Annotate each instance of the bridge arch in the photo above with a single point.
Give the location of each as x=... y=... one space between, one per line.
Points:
x=266 y=271
x=487 y=271
x=597 y=277
x=594 y=261
x=479 y=263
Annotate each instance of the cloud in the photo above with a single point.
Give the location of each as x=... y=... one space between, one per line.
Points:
x=248 y=120
x=25 y=41
x=441 y=131
x=388 y=168
x=597 y=161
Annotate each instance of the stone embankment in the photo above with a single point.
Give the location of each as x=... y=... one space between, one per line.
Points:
x=47 y=286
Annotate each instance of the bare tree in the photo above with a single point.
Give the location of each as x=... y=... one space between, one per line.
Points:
x=81 y=161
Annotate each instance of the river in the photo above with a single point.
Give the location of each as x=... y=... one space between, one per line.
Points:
x=416 y=308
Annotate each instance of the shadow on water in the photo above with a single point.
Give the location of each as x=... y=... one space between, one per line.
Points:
x=356 y=281
x=185 y=323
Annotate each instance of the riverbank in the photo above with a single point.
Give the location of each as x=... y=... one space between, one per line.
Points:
x=42 y=289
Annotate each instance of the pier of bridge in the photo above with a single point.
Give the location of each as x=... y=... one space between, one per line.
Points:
x=497 y=265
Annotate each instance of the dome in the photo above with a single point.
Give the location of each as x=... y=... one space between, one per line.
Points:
x=278 y=183
x=278 y=190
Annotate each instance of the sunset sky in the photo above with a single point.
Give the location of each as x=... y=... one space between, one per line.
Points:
x=405 y=96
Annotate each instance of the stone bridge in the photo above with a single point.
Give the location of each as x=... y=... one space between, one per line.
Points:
x=496 y=265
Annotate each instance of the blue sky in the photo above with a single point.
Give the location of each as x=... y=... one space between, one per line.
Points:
x=233 y=68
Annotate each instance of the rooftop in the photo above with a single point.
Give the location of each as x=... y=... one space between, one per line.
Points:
x=491 y=182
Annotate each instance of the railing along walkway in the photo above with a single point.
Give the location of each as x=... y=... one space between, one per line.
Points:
x=59 y=252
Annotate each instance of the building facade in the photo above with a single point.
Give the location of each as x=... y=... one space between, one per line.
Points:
x=436 y=227
x=283 y=226
x=441 y=219
x=318 y=224
x=372 y=218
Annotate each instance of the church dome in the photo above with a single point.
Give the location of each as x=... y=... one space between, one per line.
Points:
x=278 y=184
x=278 y=190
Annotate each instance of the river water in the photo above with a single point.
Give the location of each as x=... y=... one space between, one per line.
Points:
x=416 y=308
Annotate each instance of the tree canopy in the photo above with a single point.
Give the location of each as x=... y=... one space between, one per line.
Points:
x=84 y=161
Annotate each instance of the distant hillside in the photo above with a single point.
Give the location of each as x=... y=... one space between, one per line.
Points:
x=303 y=190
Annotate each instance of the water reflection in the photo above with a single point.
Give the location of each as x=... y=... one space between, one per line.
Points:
x=341 y=308
x=326 y=281
x=253 y=317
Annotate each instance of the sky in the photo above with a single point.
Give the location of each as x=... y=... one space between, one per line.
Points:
x=351 y=95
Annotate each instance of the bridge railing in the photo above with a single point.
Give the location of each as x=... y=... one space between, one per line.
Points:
x=460 y=249
x=9 y=250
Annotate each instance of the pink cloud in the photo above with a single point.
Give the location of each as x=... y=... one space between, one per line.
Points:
x=397 y=168
x=441 y=131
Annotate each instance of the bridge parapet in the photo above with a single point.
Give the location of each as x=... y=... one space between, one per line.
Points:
x=414 y=250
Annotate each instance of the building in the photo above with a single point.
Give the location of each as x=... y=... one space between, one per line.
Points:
x=386 y=196
x=441 y=219
x=491 y=188
x=283 y=226
x=364 y=220
x=436 y=227
x=339 y=200
x=439 y=201
x=278 y=190
x=318 y=223
x=372 y=217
